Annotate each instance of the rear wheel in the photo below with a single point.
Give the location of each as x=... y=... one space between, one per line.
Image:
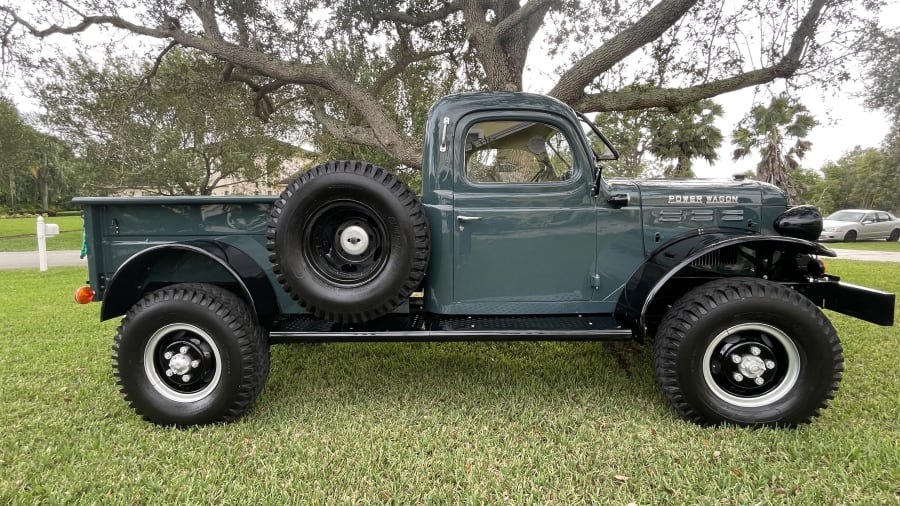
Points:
x=190 y=354
x=747 y=351
x=895 y=235
x=850 y=236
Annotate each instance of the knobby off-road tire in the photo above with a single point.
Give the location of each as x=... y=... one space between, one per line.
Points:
x=190 y=354
x=348 y=240
x=749 y=352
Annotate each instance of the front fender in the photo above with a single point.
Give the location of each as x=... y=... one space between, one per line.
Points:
x=199 y=261
x=666 y=262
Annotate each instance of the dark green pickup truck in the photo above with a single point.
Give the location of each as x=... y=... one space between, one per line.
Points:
x=517 y=236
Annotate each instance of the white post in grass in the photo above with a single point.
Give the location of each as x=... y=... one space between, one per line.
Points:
x=42 y=242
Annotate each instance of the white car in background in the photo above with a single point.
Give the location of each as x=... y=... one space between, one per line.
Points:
x=860 y=224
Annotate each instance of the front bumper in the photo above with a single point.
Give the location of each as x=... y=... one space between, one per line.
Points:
x=860 y=302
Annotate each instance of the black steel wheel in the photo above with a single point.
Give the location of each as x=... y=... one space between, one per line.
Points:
x=749 y=352
x=895 y=235
x=348 y=241
x=190 y=354
x=850 y=236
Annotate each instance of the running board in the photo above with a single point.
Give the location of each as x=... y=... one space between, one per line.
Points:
x=430 y=327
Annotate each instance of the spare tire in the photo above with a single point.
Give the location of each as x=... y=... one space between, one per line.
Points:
x=348 y=240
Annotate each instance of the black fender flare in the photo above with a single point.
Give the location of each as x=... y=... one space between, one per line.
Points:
x=667 y=261
x=127 y=285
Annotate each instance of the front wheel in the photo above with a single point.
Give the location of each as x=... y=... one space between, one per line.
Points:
x=749 y=352
x=190 y=354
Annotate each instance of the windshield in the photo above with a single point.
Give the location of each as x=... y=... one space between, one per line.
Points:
x=845 y=216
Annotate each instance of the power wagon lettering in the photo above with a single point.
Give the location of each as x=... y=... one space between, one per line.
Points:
x=703 y=199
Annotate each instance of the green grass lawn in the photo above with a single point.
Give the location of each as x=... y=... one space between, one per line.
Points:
x=468 y=423
x=19 y=234
x=866 y=245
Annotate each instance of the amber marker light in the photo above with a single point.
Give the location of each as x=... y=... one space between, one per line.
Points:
x=816 y=268
x=84 y=295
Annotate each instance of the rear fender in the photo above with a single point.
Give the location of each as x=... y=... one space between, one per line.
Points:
x=659 y=274
x=195 y=261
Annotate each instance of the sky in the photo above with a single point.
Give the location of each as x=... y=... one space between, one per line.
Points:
x=844 y=122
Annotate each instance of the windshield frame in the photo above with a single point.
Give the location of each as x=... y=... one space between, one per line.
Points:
x=609 y=146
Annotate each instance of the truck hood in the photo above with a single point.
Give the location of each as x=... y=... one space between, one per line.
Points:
x=703 y=192
x=670 y=208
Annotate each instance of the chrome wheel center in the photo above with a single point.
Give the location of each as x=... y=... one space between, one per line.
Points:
x=354 y=240
x=180 y=364
x=752 y=366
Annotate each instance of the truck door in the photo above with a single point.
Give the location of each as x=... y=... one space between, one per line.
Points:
x=524 y=222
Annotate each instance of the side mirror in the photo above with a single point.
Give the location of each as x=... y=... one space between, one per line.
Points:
x=618 y=200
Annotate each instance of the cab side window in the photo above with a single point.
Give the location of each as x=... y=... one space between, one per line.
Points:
x=517 y=152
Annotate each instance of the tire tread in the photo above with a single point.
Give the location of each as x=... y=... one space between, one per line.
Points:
x=403 y=193
x=232 y=310
x=693 y=306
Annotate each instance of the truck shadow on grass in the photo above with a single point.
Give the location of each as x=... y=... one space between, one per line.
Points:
x=452 y=378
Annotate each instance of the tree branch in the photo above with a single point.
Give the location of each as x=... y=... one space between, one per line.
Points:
x=339 y=129
x=205 y=10
x=624 y=100
x=355 y=134
x=263 y=105
x=70 y=7
x=159 y=58
x=407 y=56
x=570 y=87
x=418 y=20
x=389 y=138
x=521 y=15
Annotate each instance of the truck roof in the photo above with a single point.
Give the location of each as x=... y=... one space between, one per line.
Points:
x=459 y=104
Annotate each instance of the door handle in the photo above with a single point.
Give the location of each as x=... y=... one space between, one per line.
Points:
x=466 y=219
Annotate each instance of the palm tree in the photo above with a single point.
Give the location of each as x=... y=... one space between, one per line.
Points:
x=681 y=136
x=767 y=129
x=687 y=134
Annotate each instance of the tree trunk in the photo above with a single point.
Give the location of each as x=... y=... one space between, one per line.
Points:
x=43 y=185
x=773 y=170
x=12 y=193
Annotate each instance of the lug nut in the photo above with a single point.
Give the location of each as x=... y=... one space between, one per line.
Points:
x=169 y=372
x=195 y=364
x=755 y=350
x=183 y=350
x=738 y=376
x=770 y=364
x=186 y=378
x=736 y=358
x=167 y=355
x=759 y=381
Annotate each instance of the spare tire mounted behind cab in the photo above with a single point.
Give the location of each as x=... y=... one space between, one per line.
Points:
x=348 y=240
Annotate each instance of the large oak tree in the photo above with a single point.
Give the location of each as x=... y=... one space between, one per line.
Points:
x=168 y=129
x=346 y=60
